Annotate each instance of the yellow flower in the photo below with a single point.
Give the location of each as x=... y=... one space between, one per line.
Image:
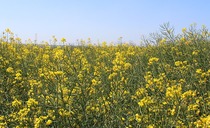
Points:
x=178 y=63
x=49 y=122
x=189 y=93
x=111 y=76
x=192 y=107
x=152 y=60
x=63 y=112
x=127 y=66
x=199 y=71
x=150 y=126
x=59 y=53
x=203 y=122
x=8 y=30
x=195 y=52
x=18 y=76
x=63 y=40
x=94 y=82
x=183 y=39
x=31 y=102
x=184 y=30
x=173 y=111
x=59 y=73
x=10 y=70
x=80 y=76
x=1 y=118
x=138 y=118
x=141 y=91
x=164 y=103
x=173 y=91
x=23 y=112
x=104 y=44
x=16 y=103
x=37 y=122
x=50 y=113
x=46 y=57
x=162 y=41
x=146 y=101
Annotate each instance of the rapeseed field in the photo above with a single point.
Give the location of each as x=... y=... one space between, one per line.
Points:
x=166 y=84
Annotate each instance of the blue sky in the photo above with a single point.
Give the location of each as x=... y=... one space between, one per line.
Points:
x=101 y=20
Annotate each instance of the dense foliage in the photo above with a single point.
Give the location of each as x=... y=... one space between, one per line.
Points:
x=166 y=84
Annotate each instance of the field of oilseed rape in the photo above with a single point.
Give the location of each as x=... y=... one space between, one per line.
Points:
x=166 y=84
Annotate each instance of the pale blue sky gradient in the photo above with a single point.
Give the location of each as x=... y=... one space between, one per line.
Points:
x=101 y=20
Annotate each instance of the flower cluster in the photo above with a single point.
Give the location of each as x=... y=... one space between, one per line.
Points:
x=164 y=85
